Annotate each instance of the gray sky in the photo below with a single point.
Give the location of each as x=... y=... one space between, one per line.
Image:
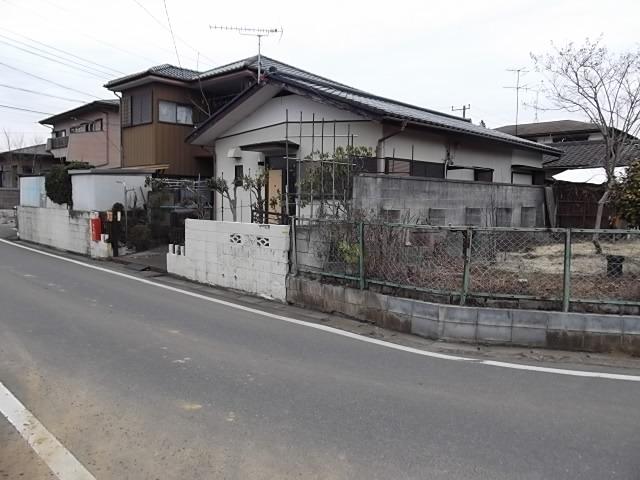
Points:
x=431 y=54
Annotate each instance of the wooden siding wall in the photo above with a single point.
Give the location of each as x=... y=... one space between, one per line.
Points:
x=164 y=143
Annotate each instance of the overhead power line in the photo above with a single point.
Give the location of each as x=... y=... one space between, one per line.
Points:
x=41 y=93
x=47 y=57
x=173 y=37
x=162 y=24
x=24 y=109
x=51 y=24
x=65 y=52
x=48 y=81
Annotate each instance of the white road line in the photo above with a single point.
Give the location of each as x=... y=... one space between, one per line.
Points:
x=336 y=331
x=59 y=460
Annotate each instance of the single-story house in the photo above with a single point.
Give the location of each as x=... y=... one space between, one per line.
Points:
x=290 y=114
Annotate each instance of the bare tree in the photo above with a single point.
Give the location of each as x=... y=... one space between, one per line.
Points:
x=603 y=86
x=13 y=142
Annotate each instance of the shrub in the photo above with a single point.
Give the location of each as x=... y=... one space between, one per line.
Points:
x=57 y=182
x=140 y=237
x=626 y=195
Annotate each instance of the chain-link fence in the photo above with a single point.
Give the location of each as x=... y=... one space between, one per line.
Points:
x=605 y=266
x=560 y=266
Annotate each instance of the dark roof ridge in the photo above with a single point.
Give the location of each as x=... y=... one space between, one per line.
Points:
x=327 y=79
x=378 y=97
x=243 y=64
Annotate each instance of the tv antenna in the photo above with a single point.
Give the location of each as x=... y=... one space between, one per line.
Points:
x=519 y=72
x=462 y=109
x=253 y=32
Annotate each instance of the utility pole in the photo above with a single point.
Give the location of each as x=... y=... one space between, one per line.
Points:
x=254 y=32
x=519 y=72
x=462 y=109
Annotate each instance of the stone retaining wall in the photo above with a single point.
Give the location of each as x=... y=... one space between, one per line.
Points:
x=568 y=331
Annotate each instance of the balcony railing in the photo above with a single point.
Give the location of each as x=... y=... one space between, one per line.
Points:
x=58 y=142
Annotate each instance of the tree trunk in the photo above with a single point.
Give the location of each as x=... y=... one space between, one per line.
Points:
x=601 y=202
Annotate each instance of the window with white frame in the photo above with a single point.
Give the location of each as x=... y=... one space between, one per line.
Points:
x=95 y=126
x=172 y=112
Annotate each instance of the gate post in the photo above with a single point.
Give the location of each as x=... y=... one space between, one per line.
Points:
x=566 y=281
x=468 y=238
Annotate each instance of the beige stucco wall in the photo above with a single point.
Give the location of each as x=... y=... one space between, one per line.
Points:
x=101 y=149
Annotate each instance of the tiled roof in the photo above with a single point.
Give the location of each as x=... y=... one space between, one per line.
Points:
x=586 y=154
x=251 y=63
x=31 y=150
x=392 y=109
x=111 y=103
x=548 y=128
x=165 y=70
x=359 y=99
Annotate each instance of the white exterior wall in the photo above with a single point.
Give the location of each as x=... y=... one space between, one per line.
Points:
x=32 y=192
x=100 y=192
x=243 y=256
x=266 y=124
x=58 y=227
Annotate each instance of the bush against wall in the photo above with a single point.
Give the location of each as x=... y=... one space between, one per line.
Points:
x=57 y=182
x=626 y=195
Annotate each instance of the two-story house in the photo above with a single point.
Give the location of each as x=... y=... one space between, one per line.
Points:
x=32 y=160
x=89 y=133
x=581 y=143
x=160 y=108
x=226 y=122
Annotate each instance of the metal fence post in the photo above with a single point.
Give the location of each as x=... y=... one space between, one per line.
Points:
x=294 y=246
x=566 y=282
x=468 y=238
x=361 y=254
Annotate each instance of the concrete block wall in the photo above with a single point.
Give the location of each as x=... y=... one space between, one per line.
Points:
x=450 y=202
x=530 y=328
x=9 y=198
x=244 y=256
x=58 y=227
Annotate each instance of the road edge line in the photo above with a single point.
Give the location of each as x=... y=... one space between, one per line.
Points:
x=62 y=463
x=337 y=331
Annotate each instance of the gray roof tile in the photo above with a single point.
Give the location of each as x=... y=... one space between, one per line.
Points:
x=548 y=128
x=586 y=154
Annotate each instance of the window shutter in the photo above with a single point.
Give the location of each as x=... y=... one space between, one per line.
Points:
x=125 y=111
x=145 y=107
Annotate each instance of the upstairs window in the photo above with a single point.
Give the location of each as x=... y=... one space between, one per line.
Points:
x=95 y=126
x=136 y=109
x=172 y=112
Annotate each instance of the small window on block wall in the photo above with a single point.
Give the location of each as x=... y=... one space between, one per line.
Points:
x=483 y=175
x=239 y=175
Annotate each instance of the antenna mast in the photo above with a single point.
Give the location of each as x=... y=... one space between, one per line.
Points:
x=519 y=72
x=462 y=109
x=254 y=32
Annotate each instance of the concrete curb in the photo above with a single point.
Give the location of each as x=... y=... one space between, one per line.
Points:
x=524 y=328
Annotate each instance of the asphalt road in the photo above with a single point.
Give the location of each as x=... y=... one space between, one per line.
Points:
x=144 y=383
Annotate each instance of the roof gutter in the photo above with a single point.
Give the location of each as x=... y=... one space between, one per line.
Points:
x=380 y=146
x=531 y=146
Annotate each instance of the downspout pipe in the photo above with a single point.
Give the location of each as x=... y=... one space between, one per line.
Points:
x=380 y=146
